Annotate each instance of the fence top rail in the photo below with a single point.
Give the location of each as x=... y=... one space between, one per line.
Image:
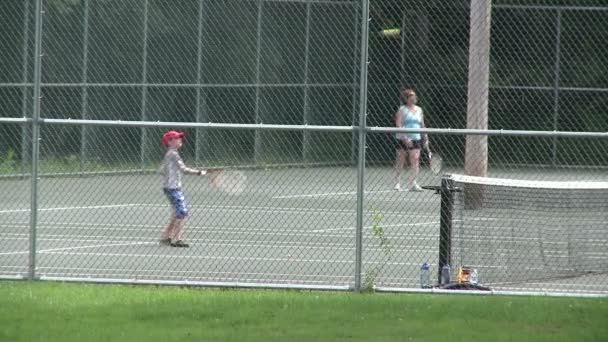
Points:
x=331 y=2
x=14 y=120
x=552 y=7
x=272 y=127
x=180 y=85
x=281 y=85
x=207 y=125
x=490 y=132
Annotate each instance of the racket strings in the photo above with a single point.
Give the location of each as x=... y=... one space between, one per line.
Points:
x=436 y=164
x=233 y=182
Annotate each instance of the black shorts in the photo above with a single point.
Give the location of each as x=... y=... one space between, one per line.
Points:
x=400 y=145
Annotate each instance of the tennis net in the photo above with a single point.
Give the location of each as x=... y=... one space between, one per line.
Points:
x=523 y=232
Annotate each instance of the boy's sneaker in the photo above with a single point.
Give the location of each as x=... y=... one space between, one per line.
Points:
x=165 y=242
x=398 y=187
x=180 y=243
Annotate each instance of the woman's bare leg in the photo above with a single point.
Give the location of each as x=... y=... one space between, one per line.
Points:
x=414 y=158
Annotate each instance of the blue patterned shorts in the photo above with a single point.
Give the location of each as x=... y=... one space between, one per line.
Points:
x=176 y=197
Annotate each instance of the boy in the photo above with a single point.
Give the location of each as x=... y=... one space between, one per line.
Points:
x=172 y=169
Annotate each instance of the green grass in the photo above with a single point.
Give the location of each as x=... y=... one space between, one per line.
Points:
x=73 y=312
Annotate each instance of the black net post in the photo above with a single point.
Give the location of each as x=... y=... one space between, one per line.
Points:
x=445 y=223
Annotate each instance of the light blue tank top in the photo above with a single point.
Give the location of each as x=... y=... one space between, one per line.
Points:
x=411 y=119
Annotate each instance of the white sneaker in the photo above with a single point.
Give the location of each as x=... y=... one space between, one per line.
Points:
x=398 y=187
x=415 y=188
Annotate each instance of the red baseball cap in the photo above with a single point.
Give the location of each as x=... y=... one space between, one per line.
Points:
x=170 y=135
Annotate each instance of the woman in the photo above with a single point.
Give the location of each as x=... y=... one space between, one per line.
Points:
x=409 y=144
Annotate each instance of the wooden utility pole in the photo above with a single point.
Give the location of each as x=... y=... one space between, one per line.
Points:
x=476 y=153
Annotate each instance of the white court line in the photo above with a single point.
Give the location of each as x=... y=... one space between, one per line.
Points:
x=48 y=225
x=156 y=271
x=232 y=277
x=51 y=250
x=273 y=232
x=70 y=208
x=267 y=232
x=244 y=208
x=253 y=245
x=237 y=208
x=222 y=229
x=66 y=238
x=308 y=244
x=265 y=244
x=330 y=194
x=14 y=253
x=209 y=257
x=278 y=231
x=381 y=225
x=95 y=246
x=240 y=258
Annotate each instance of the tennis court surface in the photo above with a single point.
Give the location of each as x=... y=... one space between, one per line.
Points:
x=289 y=227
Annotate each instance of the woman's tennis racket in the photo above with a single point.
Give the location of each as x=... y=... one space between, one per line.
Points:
x=435 y=163
x=228 y=181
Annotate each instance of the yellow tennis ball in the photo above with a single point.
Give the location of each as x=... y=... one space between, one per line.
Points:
x=392 y=32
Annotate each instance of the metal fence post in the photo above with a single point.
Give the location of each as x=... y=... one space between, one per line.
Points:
x=24 y=90
x=257 y=139
x=362 y=134
x=199 y=66
x=35 y=141
x=354 y=116
x=556 y=70
x=84 y=95
x=144 y=89
x=306 y=140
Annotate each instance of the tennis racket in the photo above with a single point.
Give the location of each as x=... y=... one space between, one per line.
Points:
x=229 y=181
x=435 y=161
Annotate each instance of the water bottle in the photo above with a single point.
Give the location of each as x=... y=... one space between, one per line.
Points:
x=474 y=277
x=445 y=274
x=425 y=276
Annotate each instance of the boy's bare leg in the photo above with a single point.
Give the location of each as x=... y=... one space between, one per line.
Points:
x=178 y=230
x=167 y=233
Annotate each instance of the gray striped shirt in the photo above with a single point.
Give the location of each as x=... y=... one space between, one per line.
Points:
x=172 y=169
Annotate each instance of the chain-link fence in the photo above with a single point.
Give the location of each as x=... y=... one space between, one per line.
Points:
x=274 y=89
x=546 y=72
x=273 y=62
